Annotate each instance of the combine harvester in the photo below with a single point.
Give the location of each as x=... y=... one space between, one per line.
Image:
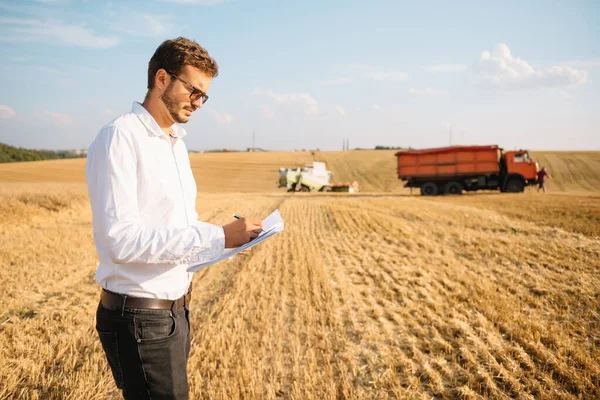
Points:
x=313 y=178
x=450 y=170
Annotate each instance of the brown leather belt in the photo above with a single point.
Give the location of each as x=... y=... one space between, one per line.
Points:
x=114 y=301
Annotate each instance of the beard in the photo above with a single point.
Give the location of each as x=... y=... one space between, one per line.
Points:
x=174 y=107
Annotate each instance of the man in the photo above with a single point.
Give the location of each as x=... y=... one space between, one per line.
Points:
x=146 y=228
x=541 y=177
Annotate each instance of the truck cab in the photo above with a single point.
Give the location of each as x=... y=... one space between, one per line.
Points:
x=519 y=167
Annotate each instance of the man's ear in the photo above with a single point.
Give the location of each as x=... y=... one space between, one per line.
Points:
x=161 y=79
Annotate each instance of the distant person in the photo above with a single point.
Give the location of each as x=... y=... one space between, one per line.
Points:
x=541 y=178
x=146 y=227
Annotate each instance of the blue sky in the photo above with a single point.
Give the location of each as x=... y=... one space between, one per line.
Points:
x=521 y=74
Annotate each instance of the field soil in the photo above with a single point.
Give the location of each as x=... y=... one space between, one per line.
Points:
x=374 y=295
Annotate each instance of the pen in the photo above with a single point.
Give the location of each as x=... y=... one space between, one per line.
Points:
x=237 y=216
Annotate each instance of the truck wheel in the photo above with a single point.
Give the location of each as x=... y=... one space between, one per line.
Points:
x=453 y=188
x=326 y=189
x=304 y=188
x=515 y=186
x=429 y=189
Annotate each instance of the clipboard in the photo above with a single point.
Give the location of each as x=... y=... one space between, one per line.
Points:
x=272 y=225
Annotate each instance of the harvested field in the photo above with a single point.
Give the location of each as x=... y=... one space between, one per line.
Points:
x=376 y=295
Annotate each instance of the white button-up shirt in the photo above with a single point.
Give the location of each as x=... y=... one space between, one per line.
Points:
x=143 y=198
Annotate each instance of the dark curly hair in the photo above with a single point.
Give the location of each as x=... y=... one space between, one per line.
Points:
x=173 y=55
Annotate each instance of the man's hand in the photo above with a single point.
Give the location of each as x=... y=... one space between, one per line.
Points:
x=241 y=231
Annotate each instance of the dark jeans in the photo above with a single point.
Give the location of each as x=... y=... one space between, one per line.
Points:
x=147 y=351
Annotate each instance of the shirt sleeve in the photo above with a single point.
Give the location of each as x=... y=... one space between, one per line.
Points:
x=111 y=174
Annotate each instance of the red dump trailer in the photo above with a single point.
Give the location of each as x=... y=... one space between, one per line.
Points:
x=450 y=170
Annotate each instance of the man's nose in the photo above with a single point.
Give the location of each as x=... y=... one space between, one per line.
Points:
x=197 y=103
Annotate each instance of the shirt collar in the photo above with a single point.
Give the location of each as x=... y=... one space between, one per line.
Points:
x=151 y=124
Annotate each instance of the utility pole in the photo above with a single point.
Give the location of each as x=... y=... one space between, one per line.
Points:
x=253 y=141
x=450 y=134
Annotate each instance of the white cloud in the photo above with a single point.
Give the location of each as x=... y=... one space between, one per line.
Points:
x=146 y=25
x=427 y=92
x=42 y=68
x=59 y=118
x=501 y=69
x=139 y=24
x=447 y=68
x=23 y=7
x=564 y=94
x=222 y=118
x=376 y=107
x=54 y=31
x=308 y=103
x=268 y=113
x=340 y=110
x=19 y=59
x=6 y=112
x=583 y=63
x=387 y=75
x=368 y=72
x=159 y=24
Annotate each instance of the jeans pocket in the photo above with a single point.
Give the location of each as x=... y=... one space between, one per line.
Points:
x=155 y=330
x=110 y=344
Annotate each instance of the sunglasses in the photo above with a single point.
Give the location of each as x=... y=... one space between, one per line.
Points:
x=196 y=94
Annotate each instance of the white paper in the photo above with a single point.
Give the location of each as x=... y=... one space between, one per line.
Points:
x=272 y=225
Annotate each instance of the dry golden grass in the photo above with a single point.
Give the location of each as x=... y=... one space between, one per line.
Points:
x=375 y=295
x=579 y=214
x=375 y=171
x=72 y=170
x=574 y=171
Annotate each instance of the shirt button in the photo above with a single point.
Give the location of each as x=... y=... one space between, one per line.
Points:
x=139 y=340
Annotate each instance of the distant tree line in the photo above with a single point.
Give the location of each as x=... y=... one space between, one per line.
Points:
x=248 y=150
x=223 y=151
x=389 y=148
x=16 y=154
